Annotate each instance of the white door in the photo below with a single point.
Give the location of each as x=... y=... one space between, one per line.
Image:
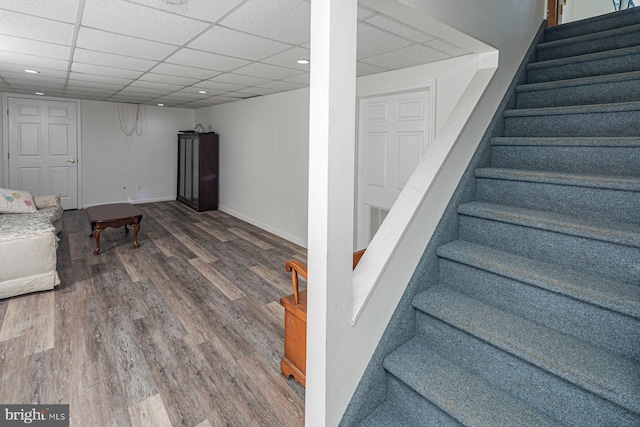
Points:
x=394 y=132
x=43 y=148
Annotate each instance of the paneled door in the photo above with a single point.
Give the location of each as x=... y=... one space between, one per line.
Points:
x=394 y=132
x=43 y=148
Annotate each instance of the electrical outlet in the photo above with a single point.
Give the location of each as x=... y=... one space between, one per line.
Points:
x=139 y=185
x=290 y=214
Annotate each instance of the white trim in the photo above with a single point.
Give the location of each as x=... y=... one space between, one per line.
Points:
x=5 y=134
x=133 y=202
x=263 y=226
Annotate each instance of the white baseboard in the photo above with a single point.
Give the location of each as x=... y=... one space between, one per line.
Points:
x=265 y=227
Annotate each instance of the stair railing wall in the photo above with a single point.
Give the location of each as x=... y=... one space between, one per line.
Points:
x=371 y=391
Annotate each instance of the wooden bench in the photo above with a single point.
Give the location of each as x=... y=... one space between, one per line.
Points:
x=294 y=362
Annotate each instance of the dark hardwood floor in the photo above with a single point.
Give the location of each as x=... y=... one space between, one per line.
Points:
x=184 y=331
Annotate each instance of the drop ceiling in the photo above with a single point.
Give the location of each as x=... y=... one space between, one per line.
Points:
x=183 y=53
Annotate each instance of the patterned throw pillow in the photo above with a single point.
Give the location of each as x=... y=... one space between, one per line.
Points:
x=14 y=201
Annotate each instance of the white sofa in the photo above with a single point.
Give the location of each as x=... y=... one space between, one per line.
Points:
x=28 y=243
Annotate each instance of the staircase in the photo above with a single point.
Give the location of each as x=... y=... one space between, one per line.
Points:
x=535 y=316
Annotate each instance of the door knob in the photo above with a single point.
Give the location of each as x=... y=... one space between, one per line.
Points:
x=72 y=161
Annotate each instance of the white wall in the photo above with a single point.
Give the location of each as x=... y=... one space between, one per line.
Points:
x=264 y=158
x=264 y=143
x=114 y=163
x=582 y=9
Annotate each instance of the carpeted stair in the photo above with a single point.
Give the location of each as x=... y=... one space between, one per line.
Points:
x=535 y=316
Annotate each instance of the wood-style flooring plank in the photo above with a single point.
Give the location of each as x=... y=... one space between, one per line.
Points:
x=149 y=412
x=218 y=280
x=187 y=328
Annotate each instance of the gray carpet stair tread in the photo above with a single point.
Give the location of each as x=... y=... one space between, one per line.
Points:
x=603 y=292
x=593 y=24
x=562 y=178
x=567 y=141
x=386 y=415
x=582 y=81
x=574 y=109
x=601 y=372
x=585 y=38
x=588 y=57
x=624 y=234
x=462 y=394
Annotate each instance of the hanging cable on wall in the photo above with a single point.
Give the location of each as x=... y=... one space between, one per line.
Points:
x=137 y=123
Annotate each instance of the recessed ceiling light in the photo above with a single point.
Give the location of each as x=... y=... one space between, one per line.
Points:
x=160 y=105
x=202 y=91
x=39 y=93
x=302 y=61
x=32 y=71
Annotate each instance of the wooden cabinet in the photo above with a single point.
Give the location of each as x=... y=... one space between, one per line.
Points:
x=198 y=164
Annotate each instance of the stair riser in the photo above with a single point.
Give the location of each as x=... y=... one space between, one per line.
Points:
x=574 y=70
x=601 y=23
x=596 y=325
x=546 y=392
x=592 y=256
x=413 y=406
x=601 y=124
x=585 y=202
x=585 y=160
x=617 y=41
x=602 y=93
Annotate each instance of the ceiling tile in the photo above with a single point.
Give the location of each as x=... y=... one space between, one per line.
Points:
x=142 y=91
x=267 y=71
x=281 y=86
x=240 y=80
x=302 y=79
x=222 y=99
x=135 y=20
x=80 y=85
x=151 y=85
x=212 y=84
x=283 y=20
x=182 y=71
x=446 y=47
x=373 y=41
x=407 y=57
x=234 y=43
x=162 y=78
x=34 y=62
x=363 y=69
x=259 y=91
x=59 y=10
x=289 y=57
x=32 y=79
x=89 y=38
x=33 y=47
x=8 y=69
x=200 y=59
x=104 y=71
x=92 y=78
x=110 y=60
x=364 y=13
x=399 y=28
x=210 y=92
x=205 y=10
x=31 y=27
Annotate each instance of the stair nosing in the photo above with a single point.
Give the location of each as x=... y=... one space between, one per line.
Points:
x=612 y=53
x=626 y=141
x=583 y=38
x=458 y=399
x=589 y=21
x=573 y=360
x=585 y=287
x=580 y=81
x=618 y=233
x=608 y=182
x=615 y=107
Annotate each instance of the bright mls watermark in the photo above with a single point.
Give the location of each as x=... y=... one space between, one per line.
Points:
x=34 y=415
